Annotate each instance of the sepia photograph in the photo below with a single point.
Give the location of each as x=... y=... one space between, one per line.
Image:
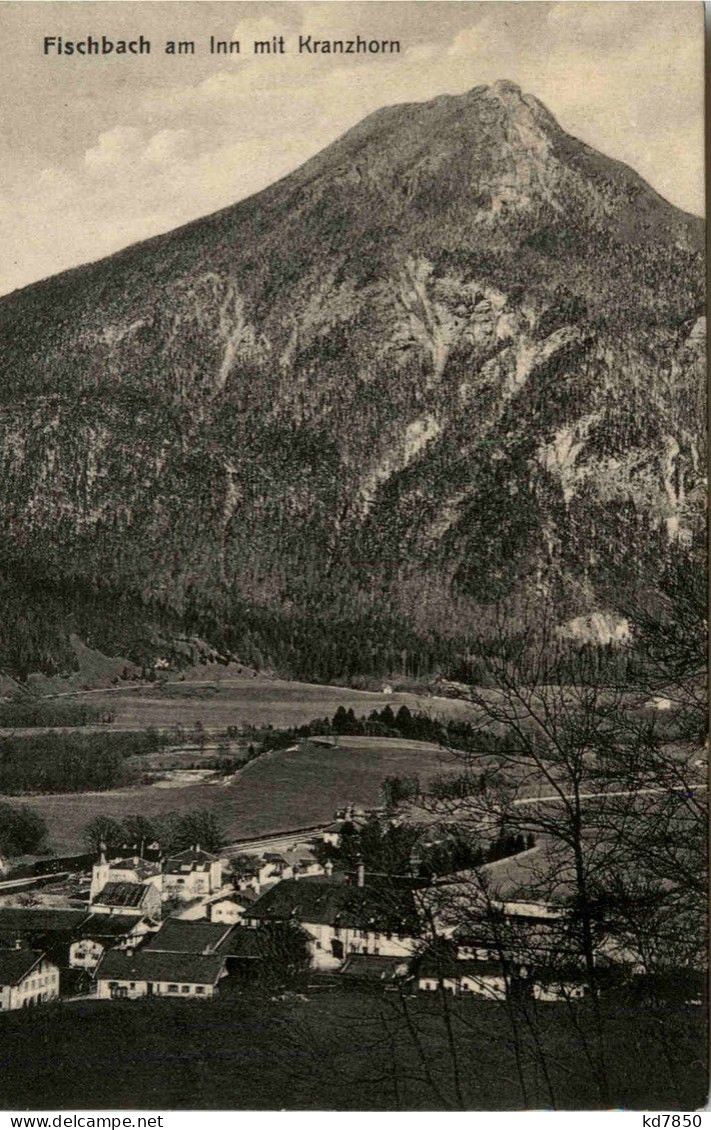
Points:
x=353 y=557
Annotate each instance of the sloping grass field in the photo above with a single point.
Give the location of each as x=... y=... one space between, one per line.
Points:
x=279 y=790
x=244 y=701
x=340 y=1050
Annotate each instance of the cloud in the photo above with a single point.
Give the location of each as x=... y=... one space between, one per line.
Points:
x=114 y=147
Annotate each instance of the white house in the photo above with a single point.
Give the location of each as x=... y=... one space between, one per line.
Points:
x=131 y=869
x=463 y=978
x=293 y=863
x=124 y=973
x=341 y=919
x=192 y=874
x=102 y=932
x=230 y=907
x=27 y=977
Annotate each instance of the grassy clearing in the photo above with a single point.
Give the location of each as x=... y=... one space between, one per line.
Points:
x=277 y=791
x=242 y=701
x=334 y=1050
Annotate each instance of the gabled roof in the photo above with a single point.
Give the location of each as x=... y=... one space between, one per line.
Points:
x=107 y=926
x=239 y=898
x=123 y=894
x=318 y=903
x=186 y=968
x=242 y=942
x=373 y=967
x=334 y=903
x=145 y=868
x=447 y=966
x=194 y=859
x=29 y=921
x=16 y=964
x=179 y=935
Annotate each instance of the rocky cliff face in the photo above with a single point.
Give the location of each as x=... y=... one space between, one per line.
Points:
x=455 y=359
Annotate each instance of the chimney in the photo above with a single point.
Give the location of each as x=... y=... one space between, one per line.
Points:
x=102 y=852
x=328 y=867
x=18 y=943
x=197 y=847
x=361 y=874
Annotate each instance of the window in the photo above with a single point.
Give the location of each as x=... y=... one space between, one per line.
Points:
x=185 y=988
x=172 y=988
x=132 y=985
x=199 y=989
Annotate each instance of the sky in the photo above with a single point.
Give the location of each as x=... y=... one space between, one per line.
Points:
x=98 y=152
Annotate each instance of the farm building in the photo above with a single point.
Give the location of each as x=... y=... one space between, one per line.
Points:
x=102 y=932
x=124 y=973
x=192 y=874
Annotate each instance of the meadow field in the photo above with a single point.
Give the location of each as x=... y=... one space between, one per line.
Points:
x=241 y=700
x=279 y=790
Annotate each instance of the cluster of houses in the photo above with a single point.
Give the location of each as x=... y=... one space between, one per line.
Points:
x=181 y=926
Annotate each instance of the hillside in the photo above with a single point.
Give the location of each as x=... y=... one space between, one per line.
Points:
x=302 y=1053
x=456 y=359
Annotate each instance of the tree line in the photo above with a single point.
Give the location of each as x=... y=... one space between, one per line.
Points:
x=27 y=712
x=56 y=762
x=172 y=831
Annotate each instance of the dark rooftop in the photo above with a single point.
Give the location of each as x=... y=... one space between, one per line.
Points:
x=329 y=903
x=242 y=942
x=373 y=967
x=178 y=935
x=190 y=859
x=122 y=894
x=145 y=965
x=15 y=964
x=27 y=921
x=107 y=926
x=143 y=867
x=430 y=966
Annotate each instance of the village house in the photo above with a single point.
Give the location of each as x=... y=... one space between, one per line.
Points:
x=49 y=930
x=463 y=978
x=293 y=863
x=230 y=906
x=341 y=918
x=131 y=869
x=347 y=819
x=27 y=977
x=140 y=899
x=143 y=973
x=102 y=932
x=192 y=874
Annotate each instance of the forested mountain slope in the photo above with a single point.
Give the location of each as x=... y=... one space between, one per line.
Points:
x=455 y=360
